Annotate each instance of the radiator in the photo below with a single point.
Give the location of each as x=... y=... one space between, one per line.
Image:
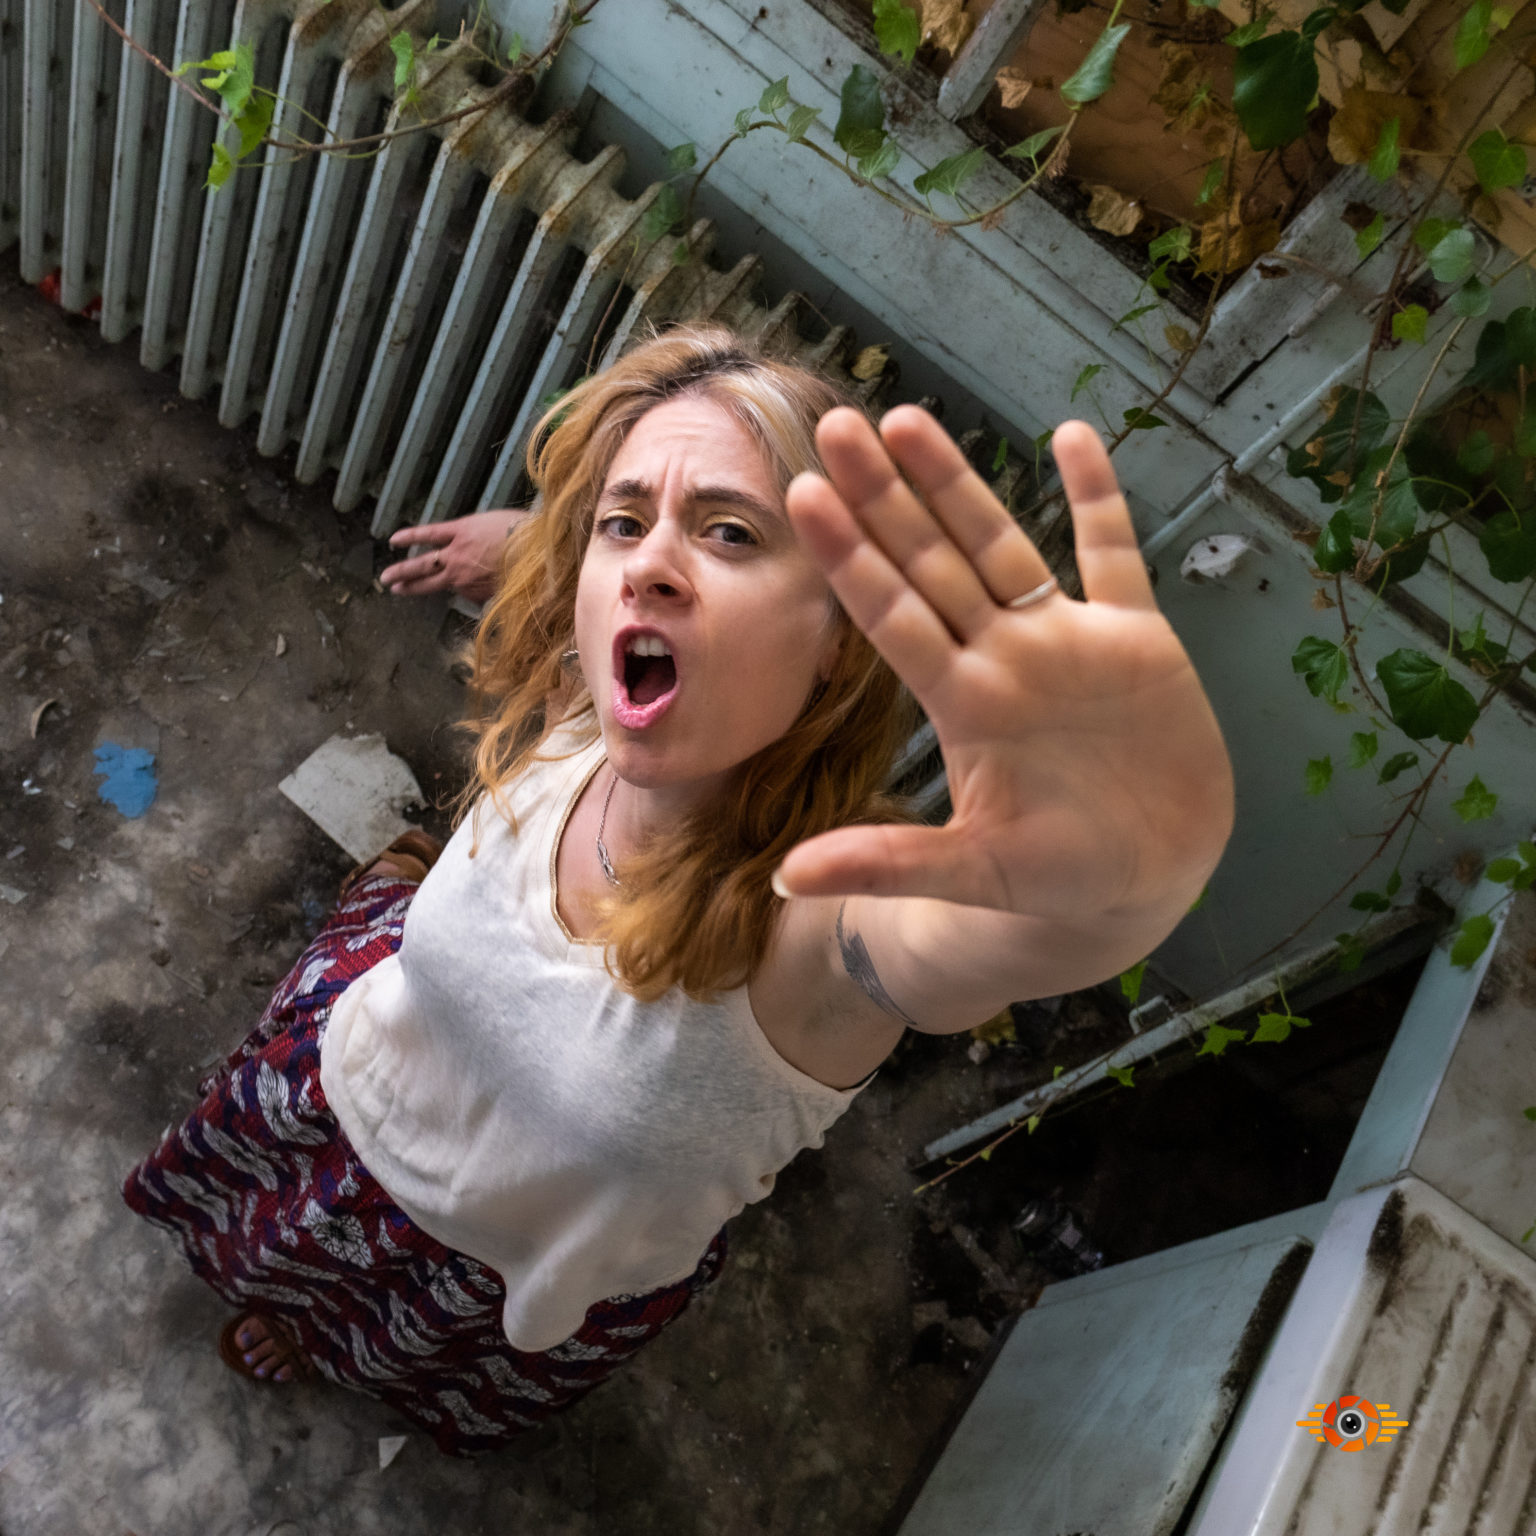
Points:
x=402 y=319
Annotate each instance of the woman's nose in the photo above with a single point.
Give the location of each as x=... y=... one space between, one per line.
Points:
x=655 y=566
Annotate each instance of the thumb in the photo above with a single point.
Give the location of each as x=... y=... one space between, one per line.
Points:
x=886 y=860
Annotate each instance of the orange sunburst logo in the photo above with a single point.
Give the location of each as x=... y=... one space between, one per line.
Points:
x=1351 y=1423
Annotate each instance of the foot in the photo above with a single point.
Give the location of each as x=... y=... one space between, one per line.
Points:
x=265 y=1349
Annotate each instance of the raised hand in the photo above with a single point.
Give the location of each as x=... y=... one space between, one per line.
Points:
x=460 y=555
x=1086 y=770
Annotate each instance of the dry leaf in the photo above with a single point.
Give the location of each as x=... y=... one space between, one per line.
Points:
x=870 y=363
x=1112 y=211
x=946 y=25
x=1321 y=601
x=281 y=647
x=1355 y=128
x=1015 y=84
x=1468 y=867
x=1184 y=92
x=38 y=713
x=1228 y=245
x=1178 y=338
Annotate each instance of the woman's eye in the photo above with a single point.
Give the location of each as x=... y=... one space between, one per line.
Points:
x=733 y=533
x=610 y=524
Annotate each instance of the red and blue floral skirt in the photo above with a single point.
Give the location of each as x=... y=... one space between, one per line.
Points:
x=274 y=1209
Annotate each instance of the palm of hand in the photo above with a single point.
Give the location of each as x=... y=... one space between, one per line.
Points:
x=1086 y=770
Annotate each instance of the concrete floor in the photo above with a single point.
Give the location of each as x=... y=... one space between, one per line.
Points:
x=149 y=562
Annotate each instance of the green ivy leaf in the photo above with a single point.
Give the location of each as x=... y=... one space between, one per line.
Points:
x=744 y=120
x=683 y=157
x=1477 y=801
x=1472 y=938
x=1383 y=162
x=1135 y=314
x=1032 y=1125
x=1096 y=73
x=1430 y=232
x=800 y=121
x=775 y=97
x=862 y=115
x=1274 y=82
x=1530 y=1113
x=1367 y=239
x=1215 y=173
x=1322 y=665
x=1424 y=698
x=1450 y=259
x=1498 y=163
x=1362 y=748
x=1525 y=433
x=898 y=30
x=1508 y=542
x=1351 y=951
x=1218 y=1038
x=1502 y=871
x=254 y=123
x=404 y=50
x=1408 y=323
x=1030 y=148
x=1330 y=443
x=1474 y=33
x=516 y=47
x=1397 y=765
x=1139 y=420
x=665 y=210
x=948 y=176
x=1319 y=774
x=1275 y=1027
x=1477 y=453
x=1249 y=32
x=218 y=172
x=1125 y=1076
x=1000 y=458
x=1394 y=884
x=1370 y=901
x=881 y=162
x=1394 y=507
x=1130 y=981
x=1335 y=547
x=1085 y=378
x=1172 y=245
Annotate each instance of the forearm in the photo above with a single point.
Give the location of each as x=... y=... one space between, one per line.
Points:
x=950 y=967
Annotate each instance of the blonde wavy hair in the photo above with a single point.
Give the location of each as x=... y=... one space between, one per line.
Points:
x=694 y=910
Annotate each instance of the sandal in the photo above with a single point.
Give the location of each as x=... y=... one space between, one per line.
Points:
x=288 y=1351
x=413 y=852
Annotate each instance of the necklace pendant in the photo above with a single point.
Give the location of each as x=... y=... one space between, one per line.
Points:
x=602 y=850
x=607 y=863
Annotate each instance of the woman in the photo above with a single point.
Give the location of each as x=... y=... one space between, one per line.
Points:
x=485 y=1139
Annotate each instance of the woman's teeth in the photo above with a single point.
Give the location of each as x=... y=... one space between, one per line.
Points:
x=648 y=645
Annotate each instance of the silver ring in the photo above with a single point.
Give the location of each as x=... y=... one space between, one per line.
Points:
x=437 y=562
x=1035 y=594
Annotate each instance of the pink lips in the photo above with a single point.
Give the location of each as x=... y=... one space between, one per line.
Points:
x=632 y=716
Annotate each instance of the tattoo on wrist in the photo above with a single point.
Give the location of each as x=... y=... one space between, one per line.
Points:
x=861 y=971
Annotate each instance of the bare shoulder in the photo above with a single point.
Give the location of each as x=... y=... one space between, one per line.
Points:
x=817 y=998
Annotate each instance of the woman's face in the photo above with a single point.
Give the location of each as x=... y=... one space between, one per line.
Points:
x=692 y=555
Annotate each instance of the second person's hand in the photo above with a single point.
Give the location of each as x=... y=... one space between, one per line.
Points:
x=461 y=555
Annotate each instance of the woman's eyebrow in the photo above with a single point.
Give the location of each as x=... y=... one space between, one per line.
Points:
x=712 y=495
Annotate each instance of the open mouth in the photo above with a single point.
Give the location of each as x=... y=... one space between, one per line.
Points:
x=648 y=678
x=644 y=680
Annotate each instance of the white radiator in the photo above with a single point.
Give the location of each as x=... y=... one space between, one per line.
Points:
x=400 y=319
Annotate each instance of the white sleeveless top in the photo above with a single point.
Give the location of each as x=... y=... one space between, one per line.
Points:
x=524 y=1109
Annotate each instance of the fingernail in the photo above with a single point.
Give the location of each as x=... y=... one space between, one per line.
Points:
x=779 y=887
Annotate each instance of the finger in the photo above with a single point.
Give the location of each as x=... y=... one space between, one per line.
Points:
x=891 y=515
x=1108 y=553
x=878 y=598
x=432 y=534
x=418 y=568
x=970 y=513
x=889 y=861
x=421 y=586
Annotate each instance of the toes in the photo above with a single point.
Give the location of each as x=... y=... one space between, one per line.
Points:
x=283 y=1373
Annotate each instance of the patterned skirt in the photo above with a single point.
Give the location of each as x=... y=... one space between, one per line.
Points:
x=274 y=1209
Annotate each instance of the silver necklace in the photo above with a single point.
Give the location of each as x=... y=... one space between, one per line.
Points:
x=602 y=851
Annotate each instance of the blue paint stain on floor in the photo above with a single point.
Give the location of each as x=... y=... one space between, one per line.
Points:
x=130 y=777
